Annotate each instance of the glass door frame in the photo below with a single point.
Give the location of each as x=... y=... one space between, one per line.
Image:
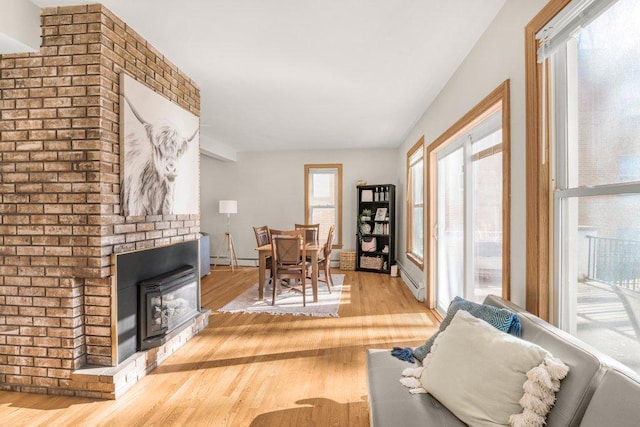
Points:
x=490 y=124
x=497 y=100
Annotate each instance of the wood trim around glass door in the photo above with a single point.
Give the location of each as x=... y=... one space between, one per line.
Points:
x=495 y=101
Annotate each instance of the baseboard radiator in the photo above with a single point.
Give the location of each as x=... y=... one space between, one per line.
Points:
x=416 y=287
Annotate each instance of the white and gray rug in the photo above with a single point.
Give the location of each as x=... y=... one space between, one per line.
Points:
x=290 y=302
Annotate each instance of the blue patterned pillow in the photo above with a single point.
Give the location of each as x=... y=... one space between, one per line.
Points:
x=500 y=318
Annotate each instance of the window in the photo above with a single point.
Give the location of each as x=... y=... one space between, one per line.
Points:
x=468 y=205
x=415 y=204
x=323 y=199
x=590 y=56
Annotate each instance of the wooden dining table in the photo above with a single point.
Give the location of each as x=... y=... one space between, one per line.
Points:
x=312 y=249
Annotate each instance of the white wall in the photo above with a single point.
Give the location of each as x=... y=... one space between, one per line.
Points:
x=269 y=188
x=498 y=55
x=19 y=27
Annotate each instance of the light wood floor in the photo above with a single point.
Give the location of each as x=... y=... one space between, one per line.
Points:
x=255 y=370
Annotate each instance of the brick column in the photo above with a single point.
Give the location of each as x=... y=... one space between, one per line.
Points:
x=59 y=193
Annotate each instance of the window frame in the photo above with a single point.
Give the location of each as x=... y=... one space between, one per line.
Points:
x=308 y=168
x=543 y=222
x=538 y=185
x=498 y=98
x=538 y=231
x=410 y=253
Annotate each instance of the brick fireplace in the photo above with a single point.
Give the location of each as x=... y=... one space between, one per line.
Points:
x=59 y=196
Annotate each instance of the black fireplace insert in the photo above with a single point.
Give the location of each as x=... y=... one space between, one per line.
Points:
x=132 y=268
x=165 y=303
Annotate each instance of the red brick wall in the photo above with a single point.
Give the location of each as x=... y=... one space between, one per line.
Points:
x=59 y=193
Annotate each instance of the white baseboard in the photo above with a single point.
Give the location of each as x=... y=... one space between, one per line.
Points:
x=416 y=287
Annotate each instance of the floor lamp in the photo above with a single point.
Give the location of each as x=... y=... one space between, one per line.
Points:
x=228 y=207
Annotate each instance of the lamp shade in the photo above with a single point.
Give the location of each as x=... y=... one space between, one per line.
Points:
x=228 y=206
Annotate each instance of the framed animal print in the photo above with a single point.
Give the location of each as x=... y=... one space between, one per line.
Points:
x=160 y=153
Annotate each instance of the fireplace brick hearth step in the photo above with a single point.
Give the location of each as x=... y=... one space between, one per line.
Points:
x=105 y=382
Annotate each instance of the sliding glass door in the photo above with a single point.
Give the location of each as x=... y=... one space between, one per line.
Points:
x=469 y=205
x=450 y=253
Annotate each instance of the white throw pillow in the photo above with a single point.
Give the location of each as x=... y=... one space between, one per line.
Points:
x=478 y=373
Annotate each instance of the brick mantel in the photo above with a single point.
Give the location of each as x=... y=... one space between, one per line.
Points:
x=60 y=186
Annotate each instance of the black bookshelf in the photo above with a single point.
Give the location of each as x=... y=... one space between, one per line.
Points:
x=376 y=245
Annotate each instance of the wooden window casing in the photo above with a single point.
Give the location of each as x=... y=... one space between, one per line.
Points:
x=410 y=250
x=307 y=211
x=538 y=266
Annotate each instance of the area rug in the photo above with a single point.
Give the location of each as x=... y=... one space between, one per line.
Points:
x=290 y=302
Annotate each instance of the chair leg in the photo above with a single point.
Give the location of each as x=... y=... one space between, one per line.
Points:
x=304 y=292
x=327 y=273
x=273 y=297
x=327 y=276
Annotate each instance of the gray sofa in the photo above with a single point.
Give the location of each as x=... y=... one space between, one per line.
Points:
x=597 y=392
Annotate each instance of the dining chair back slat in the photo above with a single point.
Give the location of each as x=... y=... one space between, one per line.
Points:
x=288 y=250
x=262 y=235
x=312 y=232
x=264 y=238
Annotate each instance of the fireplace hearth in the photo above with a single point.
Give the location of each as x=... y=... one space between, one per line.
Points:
x=165 y=304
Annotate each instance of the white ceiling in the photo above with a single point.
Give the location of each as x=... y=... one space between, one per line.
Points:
x=303 y=74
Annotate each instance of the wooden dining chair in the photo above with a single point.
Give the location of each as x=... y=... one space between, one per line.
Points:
x=289 y=260
x=312 y=232
x=262 y=235
x=264 y=238
x=325 y=262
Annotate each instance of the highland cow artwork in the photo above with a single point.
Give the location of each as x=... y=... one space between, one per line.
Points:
x=159 y=153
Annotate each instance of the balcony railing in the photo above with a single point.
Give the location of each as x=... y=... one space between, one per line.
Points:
x=615 y=262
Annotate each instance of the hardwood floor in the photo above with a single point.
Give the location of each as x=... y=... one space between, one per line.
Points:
x=255 y=369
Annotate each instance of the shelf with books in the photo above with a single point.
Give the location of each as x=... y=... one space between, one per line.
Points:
x=376 y=228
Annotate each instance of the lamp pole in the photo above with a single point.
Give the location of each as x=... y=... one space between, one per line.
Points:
x=228 y=207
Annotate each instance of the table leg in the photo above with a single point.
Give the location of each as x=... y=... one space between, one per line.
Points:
x=314 y=274
x=262 y=267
